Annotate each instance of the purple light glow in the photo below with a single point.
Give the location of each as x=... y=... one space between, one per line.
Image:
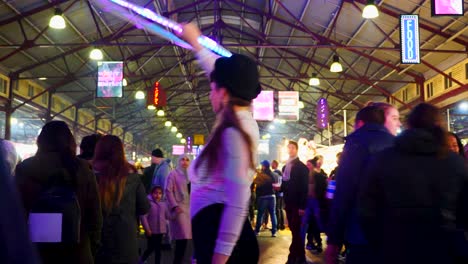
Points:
x=165 y=22
x=322 y=113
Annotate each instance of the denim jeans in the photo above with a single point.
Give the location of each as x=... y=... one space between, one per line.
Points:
x=311 y=217
x=267 y=202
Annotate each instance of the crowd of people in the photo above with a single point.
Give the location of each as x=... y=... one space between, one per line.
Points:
x=398 y=198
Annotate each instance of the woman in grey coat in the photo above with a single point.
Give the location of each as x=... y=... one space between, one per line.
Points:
x=178 y=200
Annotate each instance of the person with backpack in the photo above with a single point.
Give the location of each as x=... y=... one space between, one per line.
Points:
x=57 y=187
x=123 y=199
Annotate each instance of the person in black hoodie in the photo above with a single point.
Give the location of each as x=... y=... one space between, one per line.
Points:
x=295 y=188
x=317 y=207
x=410 y=196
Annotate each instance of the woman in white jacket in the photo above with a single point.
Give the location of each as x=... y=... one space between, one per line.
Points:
x=221 y=176
x=178 y=200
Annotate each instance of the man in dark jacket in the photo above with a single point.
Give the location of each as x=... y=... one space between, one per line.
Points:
x=157 y=173
x=369 y=138
x=294 y=186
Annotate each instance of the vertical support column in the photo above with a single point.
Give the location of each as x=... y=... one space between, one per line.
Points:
x=422 y=91
x=345 y=122
x=9 y=105
x=329 y=135
x=111 y=128
x=96 y=121
x=448 y=119
x=75 y=121
x=49 y=107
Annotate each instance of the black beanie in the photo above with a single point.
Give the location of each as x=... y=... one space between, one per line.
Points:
x=157 y=153
x=239 y=75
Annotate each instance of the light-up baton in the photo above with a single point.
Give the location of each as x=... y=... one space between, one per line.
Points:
x=165 y=22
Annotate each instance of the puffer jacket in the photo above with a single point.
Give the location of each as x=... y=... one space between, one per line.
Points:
x=156 y=219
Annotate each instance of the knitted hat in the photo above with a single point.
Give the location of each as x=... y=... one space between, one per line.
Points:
x=239 y=75
x=265 y=163
x=157 y=153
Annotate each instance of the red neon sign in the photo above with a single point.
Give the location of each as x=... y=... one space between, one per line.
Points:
x=156 y=94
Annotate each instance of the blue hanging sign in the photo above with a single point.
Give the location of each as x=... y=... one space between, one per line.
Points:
x=409 y=36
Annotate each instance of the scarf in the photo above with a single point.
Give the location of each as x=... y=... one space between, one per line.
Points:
x=287 y=170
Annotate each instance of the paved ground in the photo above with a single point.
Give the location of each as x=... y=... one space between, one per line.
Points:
x=273 y=250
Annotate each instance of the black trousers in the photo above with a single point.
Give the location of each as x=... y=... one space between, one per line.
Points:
x=205 y=226
x=154 y=245
x=279 y=211
x=179 y=253
x=296 y=250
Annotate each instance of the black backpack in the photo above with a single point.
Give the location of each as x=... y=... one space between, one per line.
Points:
x=55 y=217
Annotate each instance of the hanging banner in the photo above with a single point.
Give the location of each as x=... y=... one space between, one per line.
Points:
x=288 y=105
x=447 y=7
x=178 y=149
x=323 y=113
x=263 y=108
x=198 y=139
x=409 y=39
x=110 y=76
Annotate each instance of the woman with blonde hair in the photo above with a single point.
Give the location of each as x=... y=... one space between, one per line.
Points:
x=123 y=200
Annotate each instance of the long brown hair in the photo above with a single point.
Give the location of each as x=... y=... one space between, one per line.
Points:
x=56 y=137
x=112 y=170
x=227 y=119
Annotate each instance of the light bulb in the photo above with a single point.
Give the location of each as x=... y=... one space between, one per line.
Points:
x=151 y=107
x=168 y=123
x=96 y=54
x=160 y=113
x=314 y=80
x=370 y=10
x=336 y=65
x=139 y=95
x=179 y=135
x=124 y=82
x=173 y=129
x=463 y=106
x=57 y=20
x=183 y=141
x=301 y=105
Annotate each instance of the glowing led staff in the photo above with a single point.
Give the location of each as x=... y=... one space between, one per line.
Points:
x=163 y=21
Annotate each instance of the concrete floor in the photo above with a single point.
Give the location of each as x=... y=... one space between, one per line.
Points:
x=273 y=250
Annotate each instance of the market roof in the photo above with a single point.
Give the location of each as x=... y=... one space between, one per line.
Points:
x=290 y=40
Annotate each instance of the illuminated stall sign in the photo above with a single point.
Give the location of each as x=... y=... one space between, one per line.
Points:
x=159 y=96
x=322 y=113
x=110 y=76
x=263 y=106
x=447 y=8
x=409 y=36
x=156 y=96
x=178 y=149
x=288 y=105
